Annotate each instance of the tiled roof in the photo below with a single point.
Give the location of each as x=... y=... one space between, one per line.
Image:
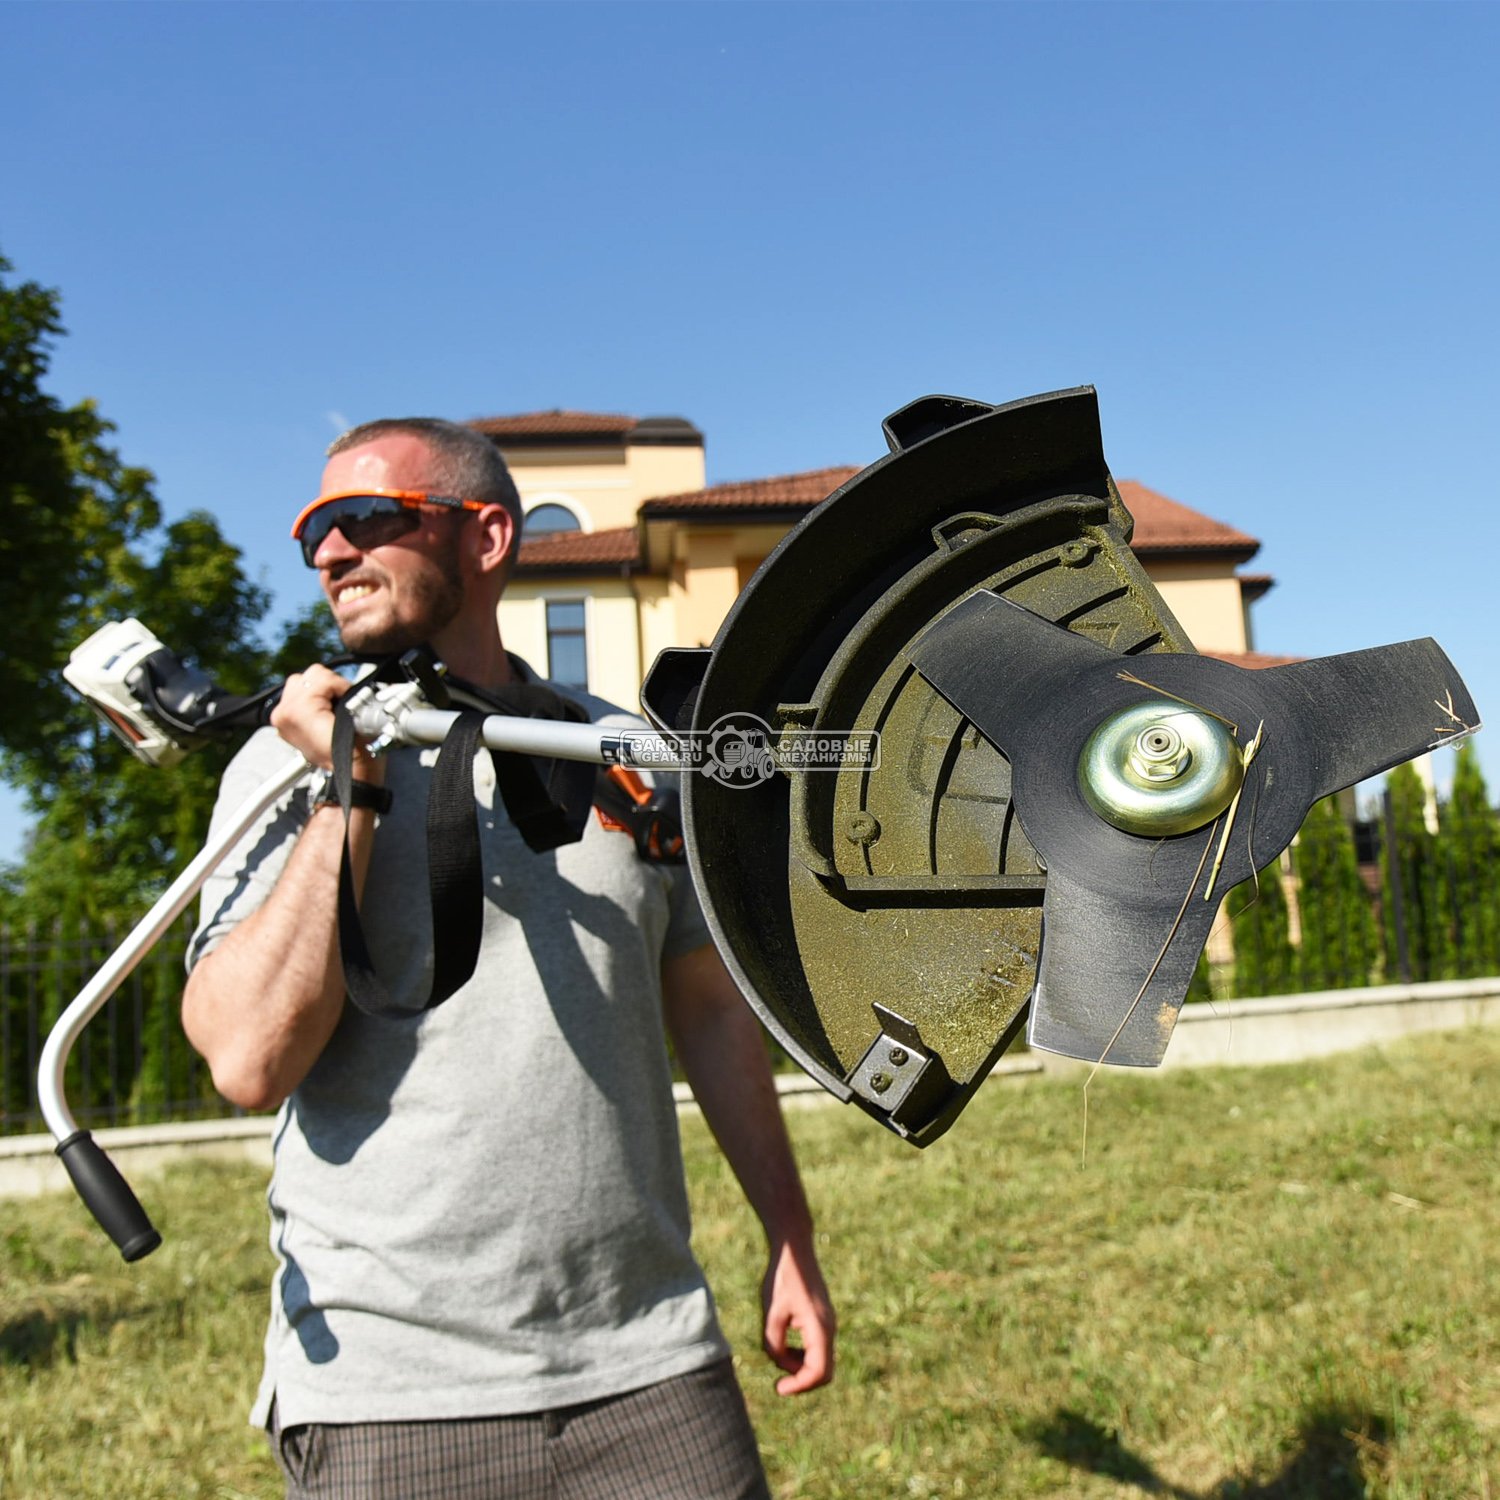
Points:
x=1163 y=525
x=615 y=548
x=1255 y=659
x=553 y=424
x=781 y=492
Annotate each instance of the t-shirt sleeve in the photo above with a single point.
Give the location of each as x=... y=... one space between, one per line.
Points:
x=246 y=875
x=687 y=928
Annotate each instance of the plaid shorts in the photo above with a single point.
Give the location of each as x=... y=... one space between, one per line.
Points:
x=688 y=1438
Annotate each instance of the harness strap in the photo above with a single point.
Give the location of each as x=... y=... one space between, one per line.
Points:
x=455 y=876
x=547 y=800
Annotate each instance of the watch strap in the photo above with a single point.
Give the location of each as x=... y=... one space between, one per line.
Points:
x=361 y=794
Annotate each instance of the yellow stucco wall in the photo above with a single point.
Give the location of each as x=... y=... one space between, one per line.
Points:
x=596 y=485
x=658 y=619
x=611 y=625
x=630 y=619
x=712 y=565
x=665 y=470
x=1206 y=598
x=604 y=487
x=705 y=583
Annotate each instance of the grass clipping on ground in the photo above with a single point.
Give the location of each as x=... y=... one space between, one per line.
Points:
x=1273 y=1282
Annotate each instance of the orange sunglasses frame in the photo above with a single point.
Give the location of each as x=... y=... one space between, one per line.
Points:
x=411 y=499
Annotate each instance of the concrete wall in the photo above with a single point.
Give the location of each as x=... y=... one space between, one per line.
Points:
x=1297 y=1028
x=1294 y=1028
x=29 y=1164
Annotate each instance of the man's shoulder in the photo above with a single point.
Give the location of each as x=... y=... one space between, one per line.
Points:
x=600 y=710
x=262 y=754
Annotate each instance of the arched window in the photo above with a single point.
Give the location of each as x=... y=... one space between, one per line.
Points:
x=549 y=517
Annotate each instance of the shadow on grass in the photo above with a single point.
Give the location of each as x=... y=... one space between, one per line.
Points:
x=1327 y=1465
x=34 y=1340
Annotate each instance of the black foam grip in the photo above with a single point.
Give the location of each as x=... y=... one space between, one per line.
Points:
x=108 y=1197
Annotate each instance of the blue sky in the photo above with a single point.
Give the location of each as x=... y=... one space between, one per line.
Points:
x=1267 y=233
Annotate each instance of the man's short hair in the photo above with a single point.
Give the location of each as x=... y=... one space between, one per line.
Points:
x=469 y=465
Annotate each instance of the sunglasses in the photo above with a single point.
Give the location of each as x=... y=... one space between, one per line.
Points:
x=368 y=518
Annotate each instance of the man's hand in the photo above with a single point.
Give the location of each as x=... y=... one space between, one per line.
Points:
x=795 y=1299
x=304 y=719
x=720 y=1047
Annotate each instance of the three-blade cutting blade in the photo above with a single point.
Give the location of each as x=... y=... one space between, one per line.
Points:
x=1126 y=914
x=1036 y=839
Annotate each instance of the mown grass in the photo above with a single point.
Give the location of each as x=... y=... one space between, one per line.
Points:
x=1268 y=1283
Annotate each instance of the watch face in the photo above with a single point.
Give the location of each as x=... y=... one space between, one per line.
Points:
x=361 y=794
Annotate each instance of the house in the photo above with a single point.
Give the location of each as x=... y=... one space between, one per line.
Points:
x=628 y=550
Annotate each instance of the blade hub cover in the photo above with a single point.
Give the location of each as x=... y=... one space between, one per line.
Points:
x=1160 y=768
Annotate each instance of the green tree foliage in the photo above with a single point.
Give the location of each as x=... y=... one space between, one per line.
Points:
x=110 y=831
x=1468 y=855
x=84 y=544
x=1200 y=986
x=1263 y=958
x=1418 y=916
x=1338 y=947
x=58 y=482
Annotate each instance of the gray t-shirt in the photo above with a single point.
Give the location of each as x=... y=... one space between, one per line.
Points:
x=480 y=1210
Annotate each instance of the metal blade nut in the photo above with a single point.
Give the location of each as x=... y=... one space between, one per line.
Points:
x=1160 y=768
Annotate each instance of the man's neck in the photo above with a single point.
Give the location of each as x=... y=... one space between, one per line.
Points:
x=464 y=694
x=474 y=651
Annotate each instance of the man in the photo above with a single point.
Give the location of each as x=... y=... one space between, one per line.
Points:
x=484 y=1283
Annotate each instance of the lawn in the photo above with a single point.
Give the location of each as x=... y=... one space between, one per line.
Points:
x=1279 y=1282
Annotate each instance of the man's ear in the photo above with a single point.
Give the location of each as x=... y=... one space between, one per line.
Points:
x=497 y=538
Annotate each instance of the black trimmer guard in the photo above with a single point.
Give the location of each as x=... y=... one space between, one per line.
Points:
x=972 y=598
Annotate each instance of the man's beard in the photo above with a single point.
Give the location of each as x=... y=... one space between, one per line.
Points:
x=431 y=601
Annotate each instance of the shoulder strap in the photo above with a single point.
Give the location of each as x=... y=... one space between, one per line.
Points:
x=547 y=800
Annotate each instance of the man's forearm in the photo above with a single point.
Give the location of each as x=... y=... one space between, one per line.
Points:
x=261 y=1007
x=720 y=1047
x=723 y=1055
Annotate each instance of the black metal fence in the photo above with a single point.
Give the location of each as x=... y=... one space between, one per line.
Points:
x=1375 y=903
x=132 y=1065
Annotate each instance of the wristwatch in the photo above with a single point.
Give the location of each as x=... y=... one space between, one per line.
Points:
x=361 y=794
